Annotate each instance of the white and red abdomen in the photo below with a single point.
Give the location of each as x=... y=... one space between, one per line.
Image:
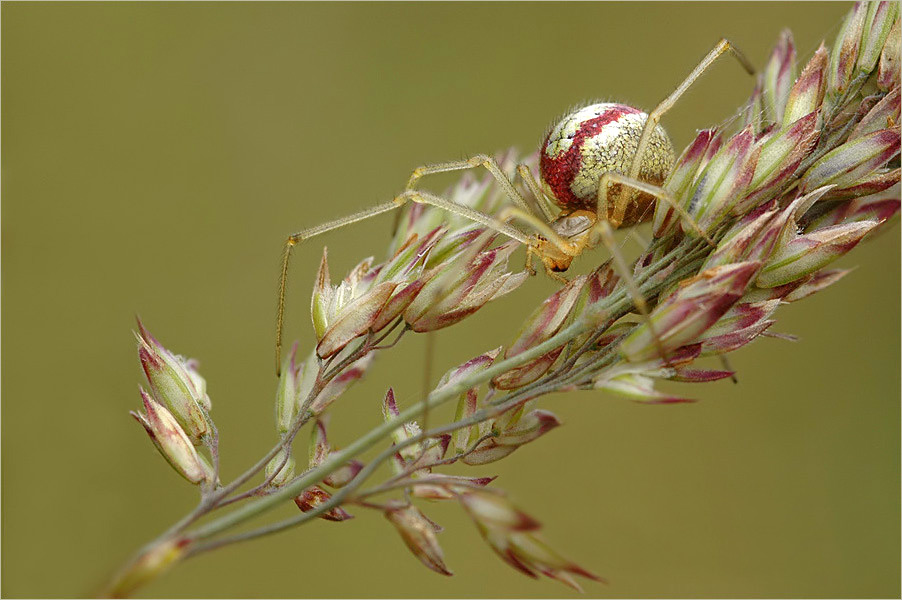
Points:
x=592 y=141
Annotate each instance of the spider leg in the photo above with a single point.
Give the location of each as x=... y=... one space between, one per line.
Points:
x=633 y=233
x=620 y=267
x=605 y=233
x=480 y=160
x=409 y=196
x=496 y=223
x=429 y=358
x=542 y=228
x=719 y=49
x=530 y=252
x=660 y=193
x=533 y=184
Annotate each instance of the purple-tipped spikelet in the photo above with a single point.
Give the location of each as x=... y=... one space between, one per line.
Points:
x=176 y=382
x=418 y=533
x=807 y=93
x=547 y=320
x=777 y=77
x=314 y=497
x=320 y=450
x=683 y=316
x=512 y=534
x=172 y=441
x=526 y=429
x=279 y=470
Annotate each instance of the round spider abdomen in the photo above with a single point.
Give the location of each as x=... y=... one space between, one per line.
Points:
x=592 y=141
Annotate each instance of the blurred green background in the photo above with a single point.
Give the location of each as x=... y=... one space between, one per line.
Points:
x=154 y=158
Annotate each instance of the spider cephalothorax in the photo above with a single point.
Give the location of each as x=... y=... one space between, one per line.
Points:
x=575 y=227
x=594 y=140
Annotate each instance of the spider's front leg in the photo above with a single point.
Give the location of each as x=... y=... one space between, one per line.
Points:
x=417 y=196
x=556 y=251
x=553 y=251
x=605 y=233
x=639 y=159
x=492 y=166
x=628 y=183
x=604 y=229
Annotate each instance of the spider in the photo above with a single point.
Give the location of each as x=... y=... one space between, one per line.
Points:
x=602 y=165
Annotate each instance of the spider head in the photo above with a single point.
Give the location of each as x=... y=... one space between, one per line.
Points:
x=593 y=140
x=573 y=229
x=552 y=257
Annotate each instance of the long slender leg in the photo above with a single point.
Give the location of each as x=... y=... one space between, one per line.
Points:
x=607 y=237
x=429 y=352
x=496 y=223
x=532 y=183
x=296 y=238
x=480 y=160
x=720 y=48
x=637 y=237
x=410 y=196
x=530 y=252
x=542 y=228
x=653 y=190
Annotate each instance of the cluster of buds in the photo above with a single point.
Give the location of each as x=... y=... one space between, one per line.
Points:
x=809 y=175
x=182 y=421
x=439 y=273
x=813 y=171
x=836 y=124
x=316 y=495
x=434 y=279
x=305 y=392
x=414 y=462
x=419 y=534
x=805 y=179
x=512 y=534
x=495 y=437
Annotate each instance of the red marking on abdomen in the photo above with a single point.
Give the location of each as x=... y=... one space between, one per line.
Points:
x=560 y=172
